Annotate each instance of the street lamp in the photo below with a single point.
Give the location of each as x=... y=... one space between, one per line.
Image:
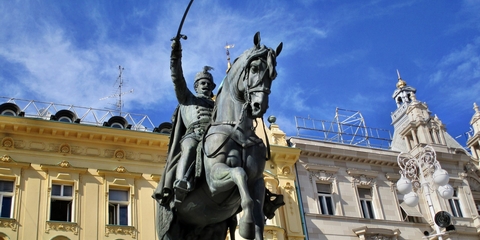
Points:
x=423 y=174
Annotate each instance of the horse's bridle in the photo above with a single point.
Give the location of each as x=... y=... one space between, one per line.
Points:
x=247 y=101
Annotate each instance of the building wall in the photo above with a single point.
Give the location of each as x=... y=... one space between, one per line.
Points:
x=347 y=168
x=36 y=154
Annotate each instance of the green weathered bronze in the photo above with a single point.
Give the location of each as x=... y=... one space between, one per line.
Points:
x=198 y=198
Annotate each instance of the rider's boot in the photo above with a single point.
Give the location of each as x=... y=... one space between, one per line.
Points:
x=182 y=188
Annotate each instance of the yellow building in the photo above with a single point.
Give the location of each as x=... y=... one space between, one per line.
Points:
x=82 y=173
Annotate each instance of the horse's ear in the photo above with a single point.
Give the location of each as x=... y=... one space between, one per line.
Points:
x=256 y=39
x=279 y=49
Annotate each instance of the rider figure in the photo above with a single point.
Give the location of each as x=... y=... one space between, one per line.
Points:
x=195 y=112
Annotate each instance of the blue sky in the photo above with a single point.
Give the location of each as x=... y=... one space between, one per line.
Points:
x=336 y=53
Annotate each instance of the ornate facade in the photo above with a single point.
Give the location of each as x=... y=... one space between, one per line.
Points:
x=349 y=192
x=63 y=179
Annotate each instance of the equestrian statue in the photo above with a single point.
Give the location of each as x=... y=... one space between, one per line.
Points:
x=215 y=160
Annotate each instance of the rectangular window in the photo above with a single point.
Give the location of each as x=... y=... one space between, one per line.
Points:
x=454 y=203
x=118 y=207
x=61 y=203
x=6 y=196
x=365 y=196
x=325 y=198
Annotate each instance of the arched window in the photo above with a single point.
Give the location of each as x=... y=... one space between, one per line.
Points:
x=3 y=236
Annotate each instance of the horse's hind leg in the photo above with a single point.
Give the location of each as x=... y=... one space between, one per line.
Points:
x=223 y=178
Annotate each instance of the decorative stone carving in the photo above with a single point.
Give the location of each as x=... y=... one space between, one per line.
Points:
x=376 y=233
x=322 y=172
x=322 y=176
x=288 y=187
x=130 y=155
x=53 y=147
x=62 y=226
x=109 y=153
x=121 y=169
x=120 y=230
x=119 y=154
x=363 y=177
x=363 y=180
x=6 y=158
x=77 y=150
x=474 y=184
x=64 y=164
x=64 y=149
x=9 y=223
x=7 y=142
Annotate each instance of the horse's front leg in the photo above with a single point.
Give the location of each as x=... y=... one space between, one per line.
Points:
x=222 y=178
x=258 y=193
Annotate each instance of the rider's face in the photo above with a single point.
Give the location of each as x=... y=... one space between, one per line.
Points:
x=204 y=87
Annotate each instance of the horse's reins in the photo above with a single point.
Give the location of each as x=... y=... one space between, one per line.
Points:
x=248 y=91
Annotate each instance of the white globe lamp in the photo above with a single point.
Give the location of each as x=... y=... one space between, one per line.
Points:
x=404 y=185
x=411 y=199
x=445 y=191
x=440 y=177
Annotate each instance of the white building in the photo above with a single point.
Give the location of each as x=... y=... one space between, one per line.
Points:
x=349 y=191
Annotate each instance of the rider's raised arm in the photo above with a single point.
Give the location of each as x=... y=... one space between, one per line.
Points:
x=181 y=90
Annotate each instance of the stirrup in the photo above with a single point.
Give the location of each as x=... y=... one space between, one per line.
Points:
x=182 y=188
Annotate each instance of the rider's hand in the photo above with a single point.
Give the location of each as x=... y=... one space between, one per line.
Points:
x=176 y=45
x=176 y=49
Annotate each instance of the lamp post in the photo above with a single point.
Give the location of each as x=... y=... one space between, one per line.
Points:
x=423 y=174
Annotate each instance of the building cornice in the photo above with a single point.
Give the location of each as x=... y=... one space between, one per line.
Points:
x=81 y=132
x=72 y=140
x=349 y=153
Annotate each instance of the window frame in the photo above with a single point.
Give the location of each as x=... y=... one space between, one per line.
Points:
x=118 y=204
x=323 y=197
x=325 y=174
x=71 y=211
x=11 y=170
x=8 y=194
x=455 y=205
x=120 y=179
x=367 y=208
x=57 y=174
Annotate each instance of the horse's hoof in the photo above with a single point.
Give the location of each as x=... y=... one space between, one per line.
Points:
x=247 y=230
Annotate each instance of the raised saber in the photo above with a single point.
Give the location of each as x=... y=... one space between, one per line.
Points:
x=179 y=35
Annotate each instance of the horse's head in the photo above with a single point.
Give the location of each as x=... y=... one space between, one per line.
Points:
x=257 y=71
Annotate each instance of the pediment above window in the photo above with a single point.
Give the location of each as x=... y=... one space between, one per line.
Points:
x=377 y=233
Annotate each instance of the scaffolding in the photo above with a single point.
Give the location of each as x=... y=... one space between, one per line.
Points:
x=91 y=116
x=348 y=127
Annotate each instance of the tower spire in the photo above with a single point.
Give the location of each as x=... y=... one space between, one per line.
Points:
x=401 y=83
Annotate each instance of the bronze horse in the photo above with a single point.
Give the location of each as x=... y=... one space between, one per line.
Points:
x=233 y=158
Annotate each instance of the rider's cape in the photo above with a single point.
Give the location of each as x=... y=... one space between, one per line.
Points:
x=174 y=153
x=164 y=211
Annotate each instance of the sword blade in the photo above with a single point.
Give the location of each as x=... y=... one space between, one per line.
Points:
x=183 y=20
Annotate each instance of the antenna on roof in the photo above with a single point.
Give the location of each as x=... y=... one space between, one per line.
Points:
x=118 y=94
x=228 y=55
